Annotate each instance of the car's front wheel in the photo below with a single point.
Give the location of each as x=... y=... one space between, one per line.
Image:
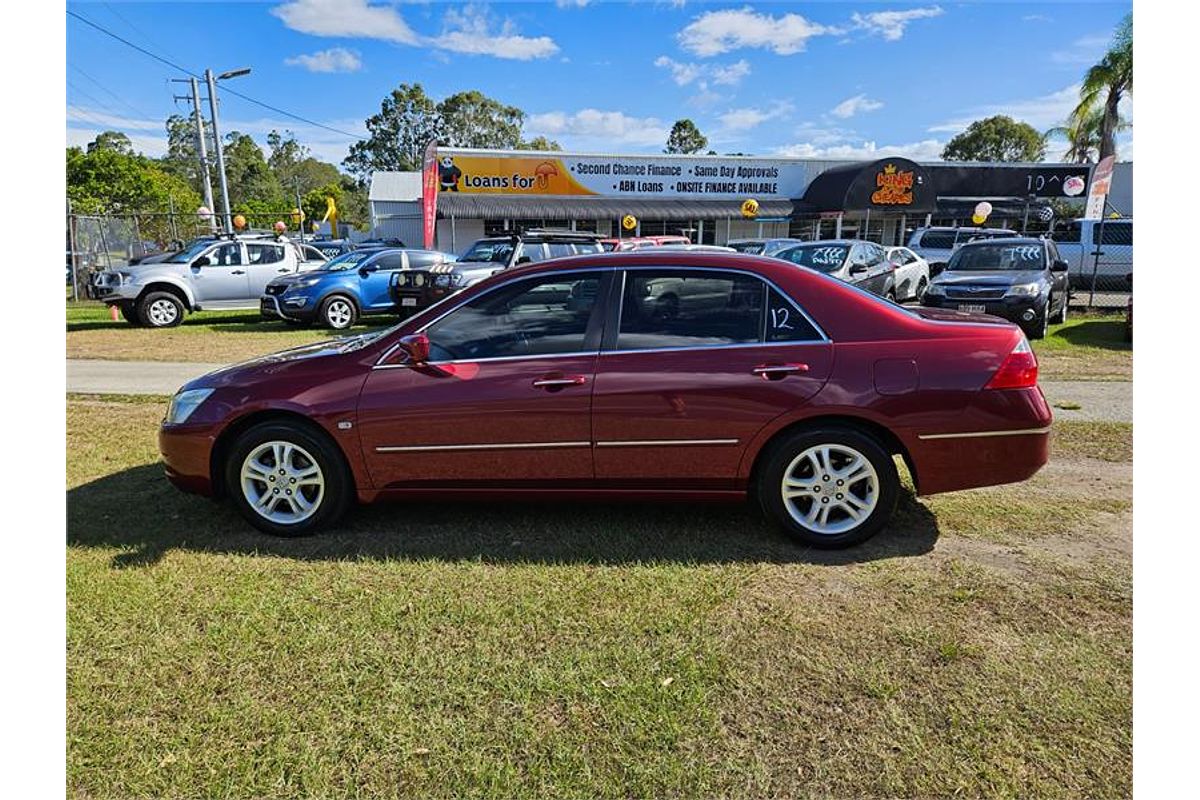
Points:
x=829 y=487
x=160 y=310
x=1061 y=316
x=338 y=312
x=286 y=479
x=130 y=313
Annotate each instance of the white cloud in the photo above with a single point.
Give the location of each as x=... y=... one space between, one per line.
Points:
x=153 y=146
x=92 y=116
x=1042 y=112
x=742 y=119
x=467 y=31
x=716 y=32
x=470 y=31
x=335 y=59
x=571 y=3
x=604 y=128
x=684 y=73
x=925 y=150
x=858 y=104
x=346 y=18
x=891 y=24
x=1084 y=51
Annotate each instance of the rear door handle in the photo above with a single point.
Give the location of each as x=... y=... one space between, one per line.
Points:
x=774 y=372
x=238 y=272
x=559 y=382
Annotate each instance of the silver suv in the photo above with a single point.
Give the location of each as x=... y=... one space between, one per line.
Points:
x=936 y=245
x=225 y=273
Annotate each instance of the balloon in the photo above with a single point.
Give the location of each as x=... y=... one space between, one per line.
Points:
x=239 y=222
x=297 y=215
x=984 y=209
x=280 y=227
x=750 y=209
x=978 y=219
x=203 y=212
x=629 y=222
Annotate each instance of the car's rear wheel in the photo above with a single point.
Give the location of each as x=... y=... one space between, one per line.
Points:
x=286 y=479
x=160 y=310
x=829 y=487
x=338 y=312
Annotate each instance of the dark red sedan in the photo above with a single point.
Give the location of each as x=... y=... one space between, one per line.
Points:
x=672 y=375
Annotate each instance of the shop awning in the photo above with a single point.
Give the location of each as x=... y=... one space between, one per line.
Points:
x=890 y=185
x=500 y=206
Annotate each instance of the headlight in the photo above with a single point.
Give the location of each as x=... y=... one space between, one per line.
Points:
x=935 y=289
x=125 y=278
x=1024 y=290
x=304 y=283
x=184 y=403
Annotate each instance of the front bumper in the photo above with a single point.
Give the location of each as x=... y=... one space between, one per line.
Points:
x=1021 y=310
x=111 y=293
x=279 y=307
x=187 y=457
x=412 y=300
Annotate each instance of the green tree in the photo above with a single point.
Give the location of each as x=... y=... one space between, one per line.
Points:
x=108 y=181
x=685 y=137
x=472 y=119
x=295 y=167
x=1084 y=136
x=539 y=143
x=249 y=177
x=1105 y=84
x=997 y=138
x=406 y=122
x=111 y=140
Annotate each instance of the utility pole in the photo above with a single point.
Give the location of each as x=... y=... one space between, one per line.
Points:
x=211 y=80
x=201 y=150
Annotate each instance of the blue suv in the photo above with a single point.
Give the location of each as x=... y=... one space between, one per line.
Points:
x=352 y=285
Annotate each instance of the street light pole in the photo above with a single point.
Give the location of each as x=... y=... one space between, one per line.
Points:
x=211 y=80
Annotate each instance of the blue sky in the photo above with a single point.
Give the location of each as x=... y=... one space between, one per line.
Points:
x=836 y=79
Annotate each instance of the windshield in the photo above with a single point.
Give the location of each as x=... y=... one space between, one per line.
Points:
x=194 y=248
x=822 y=258
x=347 y=260
x=754 y=248
x=997 y=256
x=498 y=252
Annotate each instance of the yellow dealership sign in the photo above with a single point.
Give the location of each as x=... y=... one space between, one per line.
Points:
x=507 y=175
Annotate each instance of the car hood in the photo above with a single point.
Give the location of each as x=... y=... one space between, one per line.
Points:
x=1000 y=277
x=274 y=364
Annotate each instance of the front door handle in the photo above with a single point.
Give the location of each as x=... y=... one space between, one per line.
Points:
x=283 y=269
x=775 y=372
x=238 y=272
x=554 y=382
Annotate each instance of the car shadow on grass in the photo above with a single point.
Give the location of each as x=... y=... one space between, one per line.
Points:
x=1104 y=334
x=138 y=512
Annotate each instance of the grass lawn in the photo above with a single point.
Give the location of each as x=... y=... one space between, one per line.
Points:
x=1086 y=348
x=981 y=646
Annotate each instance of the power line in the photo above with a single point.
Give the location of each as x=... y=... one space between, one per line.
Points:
x=187 y=71
x=112 y=94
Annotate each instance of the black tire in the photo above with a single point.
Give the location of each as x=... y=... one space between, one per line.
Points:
x=155 y=310
x=890 y=296
x=1061 y=316
x=1037 y=328
x=338 y=312
x=922 y=286
x=331 y=502
x=785 y=456
x=130 y=313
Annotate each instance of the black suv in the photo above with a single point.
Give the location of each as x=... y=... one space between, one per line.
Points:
x=1023 y=280
x=415 y=289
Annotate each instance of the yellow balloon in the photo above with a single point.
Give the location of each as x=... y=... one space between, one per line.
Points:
x=978 y=219
x=629 y=222
x=750 y=209
x=239 y=222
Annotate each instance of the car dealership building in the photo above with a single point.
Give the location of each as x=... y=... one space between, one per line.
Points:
x=473 y=193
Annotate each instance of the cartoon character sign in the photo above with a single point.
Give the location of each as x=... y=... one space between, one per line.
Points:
x=448 y=174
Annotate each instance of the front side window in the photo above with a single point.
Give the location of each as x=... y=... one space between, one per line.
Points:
x=689 y=308
x=389 y=262
x=531 y=253
x=545 y=315
x=1117 y=233
x=227 y=255
x=939 y=240
x=558 y=250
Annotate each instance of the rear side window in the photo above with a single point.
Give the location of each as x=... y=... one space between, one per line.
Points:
x=938 y=240
x=689 y=308
x=417 y=260
x=264 y=253
x=1070 y=233
x=560 y=250
x=784 y=323
x=1118 y=233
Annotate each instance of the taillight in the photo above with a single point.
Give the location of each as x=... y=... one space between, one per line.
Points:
x=1019 y=370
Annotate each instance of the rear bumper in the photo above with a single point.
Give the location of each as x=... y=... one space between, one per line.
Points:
x=187 y=457
x=1004 y=438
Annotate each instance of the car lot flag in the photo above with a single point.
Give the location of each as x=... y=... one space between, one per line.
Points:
x=429 y=185
x=1098 y=193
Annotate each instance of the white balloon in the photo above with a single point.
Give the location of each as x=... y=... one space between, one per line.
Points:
x=983 y=209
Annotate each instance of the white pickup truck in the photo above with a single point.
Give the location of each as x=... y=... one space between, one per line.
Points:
x=1105 y=246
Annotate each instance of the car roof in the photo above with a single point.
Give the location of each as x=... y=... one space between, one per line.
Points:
x=1008 y=241
x=821 y=242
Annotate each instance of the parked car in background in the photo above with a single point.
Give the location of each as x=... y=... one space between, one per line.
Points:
x=350 y=286
x=550 y=381
x=309 y=257
x=695 y=248
x=912 y=273
x=226 y=273
x=417 y=289
x=332 y=248
x=936 y=245
x=627 y=244
x=861 y=264
x=1105 y=249
x=763 y=247
x=386 y=242
x=1023 y=280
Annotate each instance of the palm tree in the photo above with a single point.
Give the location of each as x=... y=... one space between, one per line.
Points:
x=1106 y=83
x=1085 y=135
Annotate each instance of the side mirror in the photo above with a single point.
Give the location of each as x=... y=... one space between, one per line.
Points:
x=202 y=261
x=936 y=269
x=858 y=269
x=416 y=345
x=1059 y=265
x=368 y=268
x=524 y=260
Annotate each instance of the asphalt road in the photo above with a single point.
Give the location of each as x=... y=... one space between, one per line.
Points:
x=1104 y=401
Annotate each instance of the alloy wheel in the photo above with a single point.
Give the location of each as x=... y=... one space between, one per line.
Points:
x=338 y=313
x=163 y=312
x=830 y=489
x=282 y=482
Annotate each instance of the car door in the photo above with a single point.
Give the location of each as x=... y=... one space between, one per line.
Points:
x=266 y=261
x=506 y=397
x=222 y=280
x=374 y=280
x=678 y=398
